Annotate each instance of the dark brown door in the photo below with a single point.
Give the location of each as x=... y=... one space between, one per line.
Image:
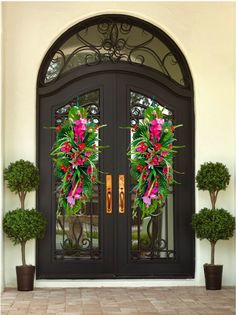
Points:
x=97 y=244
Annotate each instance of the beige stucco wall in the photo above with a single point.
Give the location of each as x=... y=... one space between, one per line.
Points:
x=204 y=31
x=1 y=158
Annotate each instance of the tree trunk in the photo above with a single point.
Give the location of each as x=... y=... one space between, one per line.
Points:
x=23 y=253
x=213 y=199
x=22 y=199
x=213 y=243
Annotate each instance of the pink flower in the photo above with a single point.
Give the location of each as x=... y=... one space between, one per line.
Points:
x=89 y=170
x=66 y=147
x=166 y=169
x=147 y=198
x=155 y=161
x=164 y=153
x=147 y=201
x=79 y=129
x=142 y=147
x=88 y=153
x=74 y=195
x=71 y=201
x=80 y=160
x=156 y=127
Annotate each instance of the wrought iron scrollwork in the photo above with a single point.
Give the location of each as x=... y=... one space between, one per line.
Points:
x=115 y=41
x=138 y=103
x=158 y=245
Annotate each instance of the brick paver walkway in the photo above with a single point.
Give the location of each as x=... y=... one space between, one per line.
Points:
x=109 y=301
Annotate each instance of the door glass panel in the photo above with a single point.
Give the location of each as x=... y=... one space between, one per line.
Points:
x=152 y=237
x=78 y=236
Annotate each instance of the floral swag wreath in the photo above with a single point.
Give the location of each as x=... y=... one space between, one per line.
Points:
x=75 y=154
x=151 y=158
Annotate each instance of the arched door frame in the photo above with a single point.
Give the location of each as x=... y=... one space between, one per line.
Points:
x=73 y=76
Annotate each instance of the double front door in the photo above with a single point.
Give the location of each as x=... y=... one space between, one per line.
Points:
x=105 y=240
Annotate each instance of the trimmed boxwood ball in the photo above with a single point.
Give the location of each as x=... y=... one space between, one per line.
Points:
x=22 y=177
x=213 y=177
x=213 y=225
x=22 y=225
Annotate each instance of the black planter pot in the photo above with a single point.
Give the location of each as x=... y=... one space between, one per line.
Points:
x=25 y=278
x=213 y=276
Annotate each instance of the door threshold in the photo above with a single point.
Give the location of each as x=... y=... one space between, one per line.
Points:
x=114 y=283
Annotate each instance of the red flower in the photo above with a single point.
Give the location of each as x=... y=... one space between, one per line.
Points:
x=142 y=147
x=139 y=168
x=169 y=178
x=157 y=146
x=81 y=146
x=68 y=176
x=93 y=178
x=58 y=128
x=80 y=161
x=155 y=161
x=66 y=147
x=88 y=153
x=172 y=128
x=165 y=169
x=63 y=168
x=144 y=176
x=164 y=153
x=89 y=170
x=170 y=146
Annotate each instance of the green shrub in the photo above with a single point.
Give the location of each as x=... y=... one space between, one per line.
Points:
x=22 y=225
x=213 y=177
x=213 y=225
x=22 y=177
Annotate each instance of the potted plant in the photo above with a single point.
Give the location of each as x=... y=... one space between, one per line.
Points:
x=21 y=224
x=213 y=224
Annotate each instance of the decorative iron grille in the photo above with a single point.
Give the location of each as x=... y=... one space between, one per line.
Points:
x=115 y=39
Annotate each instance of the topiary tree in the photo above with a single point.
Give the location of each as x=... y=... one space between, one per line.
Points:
x=213 y=225
x=22 y=225
x=22 y=177
x=213 y=177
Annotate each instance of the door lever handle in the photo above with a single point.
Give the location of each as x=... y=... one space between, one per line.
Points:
x=108 y=194
x=121 y=193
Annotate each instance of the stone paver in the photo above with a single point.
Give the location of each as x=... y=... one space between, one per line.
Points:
x=120 y=301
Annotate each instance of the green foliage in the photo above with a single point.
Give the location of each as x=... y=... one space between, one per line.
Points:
x=213 y=224
x=22 y=176
x=22 y=225
x=212 y=177
x=151 y=156
x=75 y=156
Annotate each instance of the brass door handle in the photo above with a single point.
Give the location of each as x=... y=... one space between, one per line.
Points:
x=121 y=193
x=108 y=194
